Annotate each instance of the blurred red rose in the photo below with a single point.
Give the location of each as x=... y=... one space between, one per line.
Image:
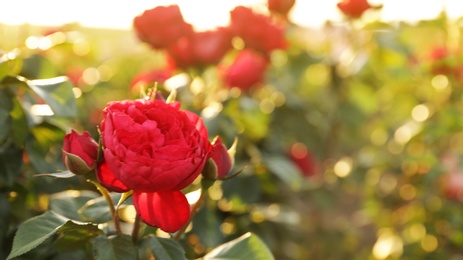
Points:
x=257 y=31
x=156 y=150
x=201 y=48
x=161 y=26
x=148 y=78
x=441 y=60
x=75 y=75
x=247 y=70
x=280 y=6
x=79 y=152
x=353 y=8
x=303 y=159
x=452 y=179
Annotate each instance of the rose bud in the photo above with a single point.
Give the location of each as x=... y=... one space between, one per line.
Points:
x=221 y=161
x=156 y=150
x=79 y=152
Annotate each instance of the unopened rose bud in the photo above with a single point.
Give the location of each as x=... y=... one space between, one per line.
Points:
x=221 y=160
x=79 y=152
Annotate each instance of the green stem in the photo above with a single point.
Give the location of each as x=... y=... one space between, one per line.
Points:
x=110 y=202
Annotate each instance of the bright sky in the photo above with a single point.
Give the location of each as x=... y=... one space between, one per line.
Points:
x=204 y=14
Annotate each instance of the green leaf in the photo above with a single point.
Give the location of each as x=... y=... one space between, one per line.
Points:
x=114 y=248
x=64 y=174
x=9 y=64
x=76 y=236
x=11 y=165
x=97 y=210
x=161 y=248
x=248 y=246
x=57 y=93
x=6 y=104
x=19 y=125
x=36 y=230
x=67 y=203
x=285 y=170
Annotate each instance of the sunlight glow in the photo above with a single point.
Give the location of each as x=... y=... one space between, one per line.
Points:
x=207 y=14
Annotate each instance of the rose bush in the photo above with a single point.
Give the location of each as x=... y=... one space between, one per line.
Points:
x=156 y=150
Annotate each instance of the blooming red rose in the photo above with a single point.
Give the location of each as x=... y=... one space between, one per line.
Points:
x=247 y=70
x=161 y=26
x=79 y=152
x=280 y=6
x=154 y=149
x=201 y=48
x=257 y=30
x=106 y=177
x=353 y=8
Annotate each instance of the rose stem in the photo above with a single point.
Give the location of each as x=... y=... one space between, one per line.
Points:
x=110 y=202
x=136 y=229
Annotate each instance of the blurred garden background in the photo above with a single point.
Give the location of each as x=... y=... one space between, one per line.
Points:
x=350 y=143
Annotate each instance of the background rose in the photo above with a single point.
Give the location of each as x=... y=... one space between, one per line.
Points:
x=161 y=26
x=258 y=31
x=280 y=6
x=201 y=48
x=353 y=8
x=247 y=69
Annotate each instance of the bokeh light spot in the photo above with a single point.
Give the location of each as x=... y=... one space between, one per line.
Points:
x=440 y=82
x=429 y=243
x=91 y=76
x=343 y=167
x=420 y=113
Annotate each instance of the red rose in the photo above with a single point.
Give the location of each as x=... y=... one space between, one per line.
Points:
x=441 y=60
x=150 y=78
x=75 y=75
x=156 y=150
x=221 y=158
x=354 y=8
x=247 y=70
x=79 y=152
x=280 y=6
x=303 y=159
x=201 y=48
x=161 y=26
x=257 y=31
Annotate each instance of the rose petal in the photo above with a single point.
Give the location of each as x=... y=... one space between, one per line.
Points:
x=168 y=210
x=106 y=177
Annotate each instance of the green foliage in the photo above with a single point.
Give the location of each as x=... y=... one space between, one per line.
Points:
x=36 y=230
x=115 y=247
x=248 y=246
